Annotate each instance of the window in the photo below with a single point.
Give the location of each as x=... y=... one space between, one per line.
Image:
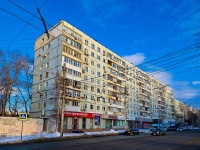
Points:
x=92 y=79
x=91 y=106
x=45 y=94
x=86 y=69
x=98 y=107
x=98 y=90
x=86 y=51
x=92 y=62
x=86 y=42
x=104 y=60
x=47 y=65
x=98 y=57
x=98 y=65
x=48 y=45
x=98 y=81
x=41 y=67
x=85 y=77
x=83 y=123
x=92 y=71
x=47 y=75
x=75 y=103
x=104 y=53
x=85 y=87
x=46 y=84
x=40 y=95
x=92 y=97
x=47 y=56
x=40 y=77
x=39 y=86
x=104 y=108
x=92 y=88
x=85 y=96
x=92 y=54
x=98 y=74
x=43 y=49
x=103 y=100
x=44 y=104
x=98 y=99
x=104 y=68
x=39 y=106
x=92 y=46
x=98 y=50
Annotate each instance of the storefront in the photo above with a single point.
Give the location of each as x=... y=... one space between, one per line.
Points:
x=81 y=120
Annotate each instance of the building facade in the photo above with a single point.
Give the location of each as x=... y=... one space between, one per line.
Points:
x=99 y=84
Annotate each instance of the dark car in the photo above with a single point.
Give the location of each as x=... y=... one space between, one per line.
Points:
x=157 y=132
x=132 y=132
x=171 y=128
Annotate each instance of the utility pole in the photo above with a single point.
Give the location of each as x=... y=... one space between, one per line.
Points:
x=63 y=101
x=125 y=108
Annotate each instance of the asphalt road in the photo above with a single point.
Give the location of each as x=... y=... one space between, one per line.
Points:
x=185 y=140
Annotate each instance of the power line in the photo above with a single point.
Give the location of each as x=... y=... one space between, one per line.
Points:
x=59 y=30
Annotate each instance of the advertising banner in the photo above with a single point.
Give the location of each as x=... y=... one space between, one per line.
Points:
x=97 y=120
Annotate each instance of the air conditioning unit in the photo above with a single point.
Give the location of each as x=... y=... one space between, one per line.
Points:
x=42 y=112
x=83 y=70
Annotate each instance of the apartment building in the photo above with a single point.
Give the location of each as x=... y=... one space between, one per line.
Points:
x=98 y=83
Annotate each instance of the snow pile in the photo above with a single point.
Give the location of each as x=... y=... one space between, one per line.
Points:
x=45 y=135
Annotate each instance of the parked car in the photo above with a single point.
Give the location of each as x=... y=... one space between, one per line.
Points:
x=171 y=128
x=158 y=131
x=179 y=129
x=132 y=131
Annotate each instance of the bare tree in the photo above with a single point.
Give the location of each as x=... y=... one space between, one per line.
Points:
x=13 y=69
x=55 y=102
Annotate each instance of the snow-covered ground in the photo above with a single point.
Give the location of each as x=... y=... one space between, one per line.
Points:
x=44 y=135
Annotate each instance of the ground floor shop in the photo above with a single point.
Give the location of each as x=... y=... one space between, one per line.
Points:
x=137 y=122
x=85 y=121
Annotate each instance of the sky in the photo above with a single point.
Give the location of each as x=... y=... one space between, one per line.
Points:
x=158 y=36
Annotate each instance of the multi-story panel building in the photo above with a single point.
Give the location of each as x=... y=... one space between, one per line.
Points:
x=98 y=83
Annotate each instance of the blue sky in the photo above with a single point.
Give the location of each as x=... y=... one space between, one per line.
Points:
x=138 y=30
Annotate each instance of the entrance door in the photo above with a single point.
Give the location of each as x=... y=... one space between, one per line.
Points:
x=45 y=125
x=75 y=126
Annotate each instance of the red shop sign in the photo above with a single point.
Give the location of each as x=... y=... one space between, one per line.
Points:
x=112 y=117
x=80 y=114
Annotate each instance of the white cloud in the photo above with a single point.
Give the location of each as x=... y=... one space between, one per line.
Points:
x=163 y=77
x=196 y=82
x=183 y=91
x=136 y=59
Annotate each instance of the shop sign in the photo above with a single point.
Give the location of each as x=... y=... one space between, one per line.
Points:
x=80 y=114
x=112 y=117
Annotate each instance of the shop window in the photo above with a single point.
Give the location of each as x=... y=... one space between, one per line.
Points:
x=91 y=123
x=83 y=123
x=65 y=123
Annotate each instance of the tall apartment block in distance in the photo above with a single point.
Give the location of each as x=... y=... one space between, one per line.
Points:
x=98 y=83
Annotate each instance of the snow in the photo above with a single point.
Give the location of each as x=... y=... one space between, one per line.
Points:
x=45 y=135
